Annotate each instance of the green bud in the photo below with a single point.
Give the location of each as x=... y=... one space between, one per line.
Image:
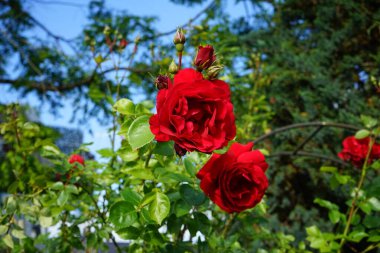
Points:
x=99 y=59
x=179 y=47
x=179 y=37
x=213 y=71
x=107 y=30
x=173 y=68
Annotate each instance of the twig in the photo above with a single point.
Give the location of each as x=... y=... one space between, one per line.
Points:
x=308 y=154
x=45 y=86
x=308 y=124
x=101 y=214
x=188 y=23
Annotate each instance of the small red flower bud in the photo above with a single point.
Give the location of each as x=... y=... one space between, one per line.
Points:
x=76 y=158
x=205 y=57
x=123 y=43
x=180 y=151
x=179 y=37
x=162 y=82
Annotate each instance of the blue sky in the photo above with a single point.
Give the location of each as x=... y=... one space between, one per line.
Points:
x=68 y=21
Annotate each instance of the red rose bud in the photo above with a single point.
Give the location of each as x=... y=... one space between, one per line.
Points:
x=236 y=180
x=123 y=43
x=76 y=158
x=197 y=114
x=356 y=150
x=173 y=68
x=205 y=57
x=179 y=37
x=179 y=151
x=162 y=82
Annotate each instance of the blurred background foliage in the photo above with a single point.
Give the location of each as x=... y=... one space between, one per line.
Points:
x=286 y=62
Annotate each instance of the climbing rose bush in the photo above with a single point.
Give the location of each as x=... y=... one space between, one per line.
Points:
x=235 y=181
x=197 y=114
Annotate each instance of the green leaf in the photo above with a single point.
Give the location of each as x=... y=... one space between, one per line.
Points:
x=342 y=179
x=129 y=233
x=192 y=196
x=368 y=122
x=62 y=198
x=45 y=221
x=189 y=166
x=140 y=173
x=328 y=169
x=105 y=152
x=139 y=133
x=164 y=148
x=365 y=207
x=124 y=106
x=334 y=216
x=72 y=189
x=91 y=240
x=3 y=229
x=159 y=207
x=130 y=196
x=371 y=221
x=18 y=233
x=8 y=241
x=11 y=205
x=375 y=203
x=313 y=231
x=357 y=236
x=122 y=214
x=325 y=203
x=376 y=165
x=361 y=134
x=58 y=186
x=374 y=238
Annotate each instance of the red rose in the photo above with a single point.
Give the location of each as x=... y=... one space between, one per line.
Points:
x=235 y=181
x=72 y=160
x=355 y=151
x=195 y=113
x=76 y=158
x=205 y=57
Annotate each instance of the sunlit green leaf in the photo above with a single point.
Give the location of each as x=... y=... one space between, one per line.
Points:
x=8 y=241
x=361 y=134
x=124 y=106
x=122 y=214
x=139 y=133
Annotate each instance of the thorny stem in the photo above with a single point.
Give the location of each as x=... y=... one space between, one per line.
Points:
x=360 y=184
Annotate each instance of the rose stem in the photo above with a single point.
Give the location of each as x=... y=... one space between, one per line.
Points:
x=179 y=59
x=351 y=212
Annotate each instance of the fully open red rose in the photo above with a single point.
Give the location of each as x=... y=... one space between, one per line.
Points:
x=355 y=151
x=205 y=57
x=235 y=181
x=195 y=113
